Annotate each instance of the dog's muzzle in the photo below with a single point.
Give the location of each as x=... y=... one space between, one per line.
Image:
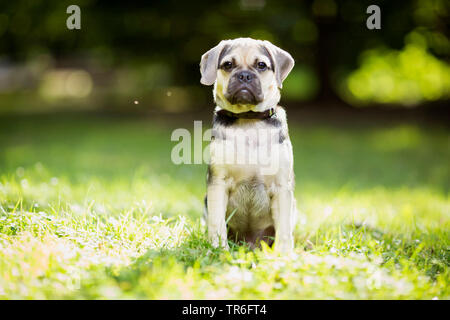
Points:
x=244 y=88
x=243 y=96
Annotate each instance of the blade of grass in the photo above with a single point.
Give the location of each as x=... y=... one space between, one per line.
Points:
x=231 y=216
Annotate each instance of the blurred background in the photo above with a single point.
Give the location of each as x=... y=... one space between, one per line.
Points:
x=144 y=57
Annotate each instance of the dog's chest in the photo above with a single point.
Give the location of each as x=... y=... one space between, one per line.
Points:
x=243 y=151
x=244 y=157
x=249 y=206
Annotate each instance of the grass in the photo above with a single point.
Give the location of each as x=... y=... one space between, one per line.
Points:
x=93 y=208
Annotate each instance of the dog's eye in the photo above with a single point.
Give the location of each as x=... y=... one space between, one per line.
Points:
x=262 y=66
x=227 y=65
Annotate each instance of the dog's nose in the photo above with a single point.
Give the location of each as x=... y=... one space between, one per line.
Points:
x=245 y=76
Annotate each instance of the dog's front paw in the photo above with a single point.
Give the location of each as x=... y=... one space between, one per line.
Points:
x=225 y=246
x=285 y=246
x=220 y=243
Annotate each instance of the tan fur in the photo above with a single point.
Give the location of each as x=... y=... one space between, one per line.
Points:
x=245 y=53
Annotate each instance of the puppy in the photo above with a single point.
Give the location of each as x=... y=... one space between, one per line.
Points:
x=250 y=194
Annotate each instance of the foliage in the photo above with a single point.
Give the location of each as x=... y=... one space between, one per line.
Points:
x=146 y=51
x=408 y=77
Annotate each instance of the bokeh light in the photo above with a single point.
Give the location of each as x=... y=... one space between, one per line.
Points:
x=408 y=77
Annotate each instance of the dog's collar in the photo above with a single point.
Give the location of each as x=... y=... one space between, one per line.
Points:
x=248 y=115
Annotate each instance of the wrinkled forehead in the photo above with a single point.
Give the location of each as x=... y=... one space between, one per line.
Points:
x=246 y=53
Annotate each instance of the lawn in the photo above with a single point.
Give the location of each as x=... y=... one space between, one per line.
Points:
x=91 y=207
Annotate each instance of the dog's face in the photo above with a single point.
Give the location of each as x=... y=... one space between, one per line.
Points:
x=246 y=73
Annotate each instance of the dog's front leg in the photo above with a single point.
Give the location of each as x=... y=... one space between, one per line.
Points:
x=217 y=206
x=282 y=211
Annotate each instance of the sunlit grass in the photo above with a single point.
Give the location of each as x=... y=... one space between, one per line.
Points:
x=93 y=208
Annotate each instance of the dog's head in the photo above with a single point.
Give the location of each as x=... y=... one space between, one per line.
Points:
x=247 y=74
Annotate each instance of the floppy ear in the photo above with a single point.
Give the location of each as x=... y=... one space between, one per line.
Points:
x=283 y=62
x=209 y=63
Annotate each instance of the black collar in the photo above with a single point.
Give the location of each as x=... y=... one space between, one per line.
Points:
x=248 y=115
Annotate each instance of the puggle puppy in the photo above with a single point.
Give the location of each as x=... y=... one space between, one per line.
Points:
x=250 y=180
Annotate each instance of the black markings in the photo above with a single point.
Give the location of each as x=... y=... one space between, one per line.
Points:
x=268 y=55
x=225 y=50
x=208 y=177
x=274 y=121
x=281 y=138
x=223 y=119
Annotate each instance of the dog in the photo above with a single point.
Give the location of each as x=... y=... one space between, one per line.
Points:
x=244 y=202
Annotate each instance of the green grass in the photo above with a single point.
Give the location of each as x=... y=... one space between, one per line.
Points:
x=92 y=207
